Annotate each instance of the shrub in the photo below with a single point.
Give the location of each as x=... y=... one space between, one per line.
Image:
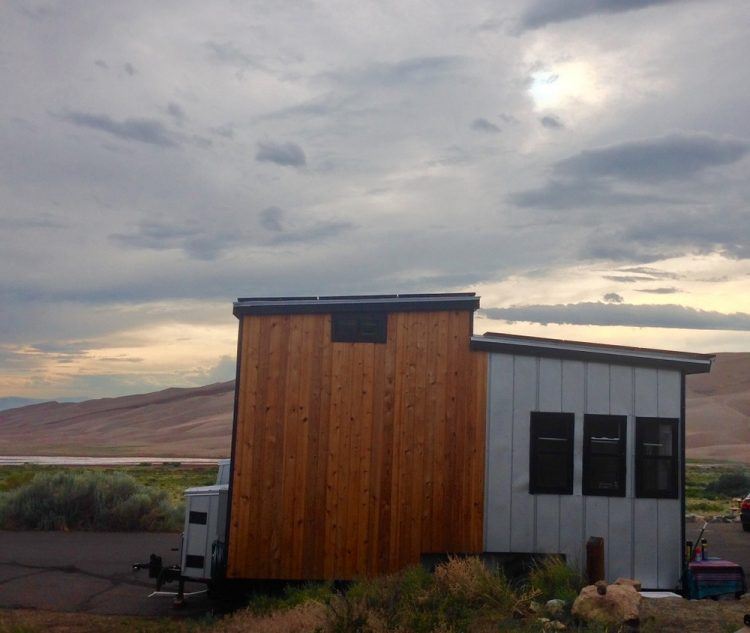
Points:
x=552 y=578
x=735 y=484
x=84 y=500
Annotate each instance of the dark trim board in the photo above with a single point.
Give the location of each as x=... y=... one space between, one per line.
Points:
x=681 y=486
x=234 y=442
x=363 y=303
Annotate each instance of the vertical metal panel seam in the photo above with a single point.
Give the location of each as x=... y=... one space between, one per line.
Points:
x=658 y=371
x=536 y=406
x=487 y=451
x=682 y=429
x=608 y=560
x=512 y=429
x=632 y=477
x=585 y=407
x=559 y=497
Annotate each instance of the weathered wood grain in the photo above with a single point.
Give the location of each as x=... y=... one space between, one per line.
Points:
x=353 y=459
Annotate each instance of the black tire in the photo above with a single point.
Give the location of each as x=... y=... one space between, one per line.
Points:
x=746 y=527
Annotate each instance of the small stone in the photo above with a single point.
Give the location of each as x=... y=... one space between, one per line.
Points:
x=555 y=607
x=601 y=587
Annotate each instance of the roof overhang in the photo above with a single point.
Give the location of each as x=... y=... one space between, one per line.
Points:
x=356 y=303
x=685 y=362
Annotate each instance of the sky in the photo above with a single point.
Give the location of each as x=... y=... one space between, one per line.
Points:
x=581 y=164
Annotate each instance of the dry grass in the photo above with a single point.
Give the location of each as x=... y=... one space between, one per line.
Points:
x=32 y=621
x=672 y=615
x=304 y=618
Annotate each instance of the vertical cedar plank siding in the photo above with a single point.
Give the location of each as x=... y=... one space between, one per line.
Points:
x=353 y=459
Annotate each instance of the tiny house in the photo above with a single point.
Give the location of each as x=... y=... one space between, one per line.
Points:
x=371 y=432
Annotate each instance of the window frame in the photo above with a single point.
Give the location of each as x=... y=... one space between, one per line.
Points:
x=641 y=422
x=587 y=488
x=345 y=333
x=567 y=482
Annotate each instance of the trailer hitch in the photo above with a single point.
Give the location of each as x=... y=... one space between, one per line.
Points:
x=157 y=570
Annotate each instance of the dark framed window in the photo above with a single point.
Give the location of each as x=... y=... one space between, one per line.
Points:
x=656 y=458
x=359 y=327
x=604 y=446
x=551 y=459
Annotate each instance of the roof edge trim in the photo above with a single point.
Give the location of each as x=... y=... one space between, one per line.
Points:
x=356 y=303
x=682 y=361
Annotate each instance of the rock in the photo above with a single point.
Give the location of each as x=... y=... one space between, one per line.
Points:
x=551 y=625
x=619 y=605
x=555 y=607
x=635 y=584
x=601 y=587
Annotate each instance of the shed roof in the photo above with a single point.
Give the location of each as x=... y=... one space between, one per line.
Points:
x=356 y=303
x=688 y=362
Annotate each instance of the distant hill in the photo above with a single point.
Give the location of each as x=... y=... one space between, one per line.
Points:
x=198 y=422
x=718 y=410
x=175 y=422
x=11 y=402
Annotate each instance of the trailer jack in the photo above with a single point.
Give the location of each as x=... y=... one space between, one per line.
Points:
x=164 y=575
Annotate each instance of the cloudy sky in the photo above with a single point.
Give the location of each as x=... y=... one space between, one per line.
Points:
x=581 y=164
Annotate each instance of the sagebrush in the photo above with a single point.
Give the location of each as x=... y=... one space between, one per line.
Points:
x=88 y=501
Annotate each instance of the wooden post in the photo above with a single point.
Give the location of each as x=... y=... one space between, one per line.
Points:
x=595 y=559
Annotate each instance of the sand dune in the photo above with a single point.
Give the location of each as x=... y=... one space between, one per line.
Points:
x=197 y=422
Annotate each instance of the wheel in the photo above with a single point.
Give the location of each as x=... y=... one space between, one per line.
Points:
x=746 y=527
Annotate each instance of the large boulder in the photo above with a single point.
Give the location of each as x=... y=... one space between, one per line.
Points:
x=635 y=584
x=610 y=605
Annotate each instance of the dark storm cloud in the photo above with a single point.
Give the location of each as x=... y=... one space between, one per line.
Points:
x=312 y=233
x=624 y=279
x=197 y=242
x=654 y=273
x=226 y=130
x=658 y=291
x=176 y=112
x=413 y=70
x=563 y=194
x=151 y=131
x=613 y=297
x=623 y=314
x=551 y=122
x=229 y=53
x=648 y=238
x=653 y=160
x=206 y=243
x=543 y=12
x=285 y=154
x=483 y=125
x=270 y=219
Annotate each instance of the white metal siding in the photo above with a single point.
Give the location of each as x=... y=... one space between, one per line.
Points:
x=642 y=536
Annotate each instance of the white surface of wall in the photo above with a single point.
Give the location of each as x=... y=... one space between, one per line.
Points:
x=642 y=536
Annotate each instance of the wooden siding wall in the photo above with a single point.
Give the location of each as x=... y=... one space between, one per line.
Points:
x=642 y=537
x=353 y=459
